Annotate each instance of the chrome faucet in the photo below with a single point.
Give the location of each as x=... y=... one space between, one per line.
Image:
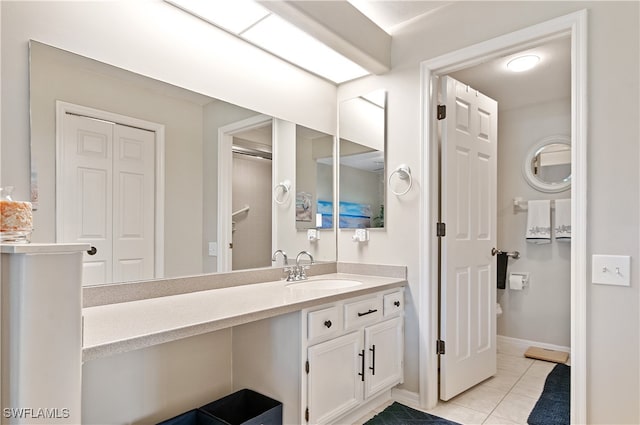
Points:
x=300 y=271
x=284 y=256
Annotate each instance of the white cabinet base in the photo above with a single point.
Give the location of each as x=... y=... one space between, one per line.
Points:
x=42 y=333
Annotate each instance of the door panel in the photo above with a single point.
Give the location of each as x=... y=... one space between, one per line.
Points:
x=468 y=206
x=383 y=347
x=107 y=197
x=84 y=212
x=334 y=383
x=134 y=193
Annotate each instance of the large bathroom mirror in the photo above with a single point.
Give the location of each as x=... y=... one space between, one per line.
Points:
x=178 y=177
x=362 y=133
x=547 y=165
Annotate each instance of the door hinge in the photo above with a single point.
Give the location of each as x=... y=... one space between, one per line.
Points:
x=306 y=367
x=440 y=347
x=441 y=229
x=442 y=112
x=306 y=415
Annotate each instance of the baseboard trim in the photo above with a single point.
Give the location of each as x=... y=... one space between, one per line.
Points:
x=509 y=344
x=405 y=397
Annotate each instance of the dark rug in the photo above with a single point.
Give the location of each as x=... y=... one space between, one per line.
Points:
x=553 y=406
x=399 y=414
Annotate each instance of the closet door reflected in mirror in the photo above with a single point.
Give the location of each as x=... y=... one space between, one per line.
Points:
x=362 y=132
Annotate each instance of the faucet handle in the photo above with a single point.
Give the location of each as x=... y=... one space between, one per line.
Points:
x=291 y=273
x=302 y=272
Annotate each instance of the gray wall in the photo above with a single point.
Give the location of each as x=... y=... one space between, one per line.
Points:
x=542 y=311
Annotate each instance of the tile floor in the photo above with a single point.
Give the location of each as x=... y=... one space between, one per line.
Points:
x=506 y=398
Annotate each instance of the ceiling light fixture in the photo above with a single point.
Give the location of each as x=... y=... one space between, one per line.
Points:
x=523 y=63
x=258 y=26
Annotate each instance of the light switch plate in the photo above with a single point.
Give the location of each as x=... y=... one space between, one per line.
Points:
x=213 y=249
x=611 y=269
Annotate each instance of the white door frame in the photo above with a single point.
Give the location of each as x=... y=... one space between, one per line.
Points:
x=63 y=108
x=575 y=25
x=225 y=173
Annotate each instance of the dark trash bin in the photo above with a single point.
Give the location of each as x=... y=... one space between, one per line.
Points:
x=192 y=417
x=245 y=407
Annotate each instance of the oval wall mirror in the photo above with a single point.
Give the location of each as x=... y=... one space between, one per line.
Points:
x=547 y=165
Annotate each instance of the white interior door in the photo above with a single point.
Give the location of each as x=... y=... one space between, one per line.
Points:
x=106 y=190
x=134 y=203
x=468 y=208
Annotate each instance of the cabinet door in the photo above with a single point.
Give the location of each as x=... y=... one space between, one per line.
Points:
x=334 y=383
x=384 y=348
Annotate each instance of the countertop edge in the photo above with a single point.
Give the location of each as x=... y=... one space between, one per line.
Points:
x=149 y=340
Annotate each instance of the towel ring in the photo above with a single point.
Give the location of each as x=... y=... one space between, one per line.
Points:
x=285 y=191
x=404 y=172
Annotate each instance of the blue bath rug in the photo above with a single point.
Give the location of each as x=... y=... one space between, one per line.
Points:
x=399 y=414
x=553 y=406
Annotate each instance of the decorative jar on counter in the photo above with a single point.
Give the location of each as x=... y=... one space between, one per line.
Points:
x=16 y=218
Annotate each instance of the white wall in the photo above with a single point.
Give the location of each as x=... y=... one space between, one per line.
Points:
x=542 y=311
x=154 y=384
x=613 y=152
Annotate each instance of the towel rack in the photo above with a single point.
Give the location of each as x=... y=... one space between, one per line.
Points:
x=522 y=204
x=240 y=211
x=513 y=254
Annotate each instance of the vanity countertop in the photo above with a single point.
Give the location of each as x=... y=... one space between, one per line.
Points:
x=117 y=328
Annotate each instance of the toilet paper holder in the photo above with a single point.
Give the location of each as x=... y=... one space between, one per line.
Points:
x=522 y=280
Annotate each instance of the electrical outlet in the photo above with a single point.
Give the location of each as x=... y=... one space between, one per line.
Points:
x=611 y=269
x=213 y=249
x=361 y=235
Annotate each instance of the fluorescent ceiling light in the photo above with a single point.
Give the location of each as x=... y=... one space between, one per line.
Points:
x=523 y=63
x=287 y=41
x=234 y=16
x=255 y=24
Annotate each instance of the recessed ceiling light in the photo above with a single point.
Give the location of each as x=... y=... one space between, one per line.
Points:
x=523 y=63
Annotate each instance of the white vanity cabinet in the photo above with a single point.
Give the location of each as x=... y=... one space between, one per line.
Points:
x=348 y=365
x=324 y=362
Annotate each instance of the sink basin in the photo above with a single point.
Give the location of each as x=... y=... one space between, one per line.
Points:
x=324 y=284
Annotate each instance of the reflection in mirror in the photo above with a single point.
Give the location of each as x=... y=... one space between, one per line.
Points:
x=314 y=179
x=547 y=166
x=251 y=198
x=182 y=175
x=361 y=127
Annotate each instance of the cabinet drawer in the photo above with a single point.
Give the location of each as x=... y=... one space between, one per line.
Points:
x=364 y=311
x=393 y=303
x=323 y=322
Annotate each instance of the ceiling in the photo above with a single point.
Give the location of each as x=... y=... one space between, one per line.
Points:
x=550 y=80
x=390 y=15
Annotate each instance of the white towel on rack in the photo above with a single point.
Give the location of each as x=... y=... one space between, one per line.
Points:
x=539 y=222
x=562 y=226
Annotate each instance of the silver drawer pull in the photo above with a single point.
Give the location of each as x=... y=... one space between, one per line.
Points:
x=367 y=312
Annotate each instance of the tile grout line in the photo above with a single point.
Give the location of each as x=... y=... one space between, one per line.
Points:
x=509 y=391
